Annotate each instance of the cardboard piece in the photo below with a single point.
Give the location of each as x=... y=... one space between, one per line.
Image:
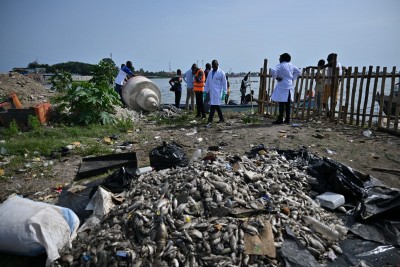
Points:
x=262 y=244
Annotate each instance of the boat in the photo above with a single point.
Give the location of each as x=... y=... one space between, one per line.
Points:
x=386 y=100
x=308 y=103
x=231 y=108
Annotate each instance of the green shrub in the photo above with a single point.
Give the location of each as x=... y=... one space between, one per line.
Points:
x=90 y=103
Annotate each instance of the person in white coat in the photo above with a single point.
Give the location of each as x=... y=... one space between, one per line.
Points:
x=216 y=86
x=285 y=73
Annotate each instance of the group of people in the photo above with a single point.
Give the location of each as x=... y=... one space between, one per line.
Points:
x=210 y=86
x=286 y=73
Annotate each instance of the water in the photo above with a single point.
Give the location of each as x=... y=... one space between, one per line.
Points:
x=168 y=97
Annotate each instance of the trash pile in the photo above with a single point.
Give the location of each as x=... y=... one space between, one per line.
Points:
x=224 y=211
x=266 y=208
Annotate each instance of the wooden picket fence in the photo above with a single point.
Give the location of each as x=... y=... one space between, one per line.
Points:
x=365 y=98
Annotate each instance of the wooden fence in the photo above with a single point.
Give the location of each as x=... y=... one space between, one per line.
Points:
x=367 y=98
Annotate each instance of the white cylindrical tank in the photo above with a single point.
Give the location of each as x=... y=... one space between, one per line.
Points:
x=140 y=93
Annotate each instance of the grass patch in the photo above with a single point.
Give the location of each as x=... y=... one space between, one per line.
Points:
x=45 y=140
x=178 y=120
x=253 y=119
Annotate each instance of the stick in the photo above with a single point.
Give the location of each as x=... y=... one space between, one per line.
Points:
x=386 y=170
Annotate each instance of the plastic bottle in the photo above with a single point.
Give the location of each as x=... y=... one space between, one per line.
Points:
x=196 y=155
x=143 y=170
x=161 y=235
x=321 y=228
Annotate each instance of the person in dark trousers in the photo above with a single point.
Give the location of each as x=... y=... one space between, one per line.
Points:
x=199 y=79
x=176 y=86
x=228 y=92
x=216 y=86
x=126 y=72
x=206 y=96
x=243 y=86
x=285 y=73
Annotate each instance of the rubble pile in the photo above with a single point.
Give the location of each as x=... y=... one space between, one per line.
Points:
x=29 y=91
x=208 y=214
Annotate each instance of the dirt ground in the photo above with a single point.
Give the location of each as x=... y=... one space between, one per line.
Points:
x=377 y=155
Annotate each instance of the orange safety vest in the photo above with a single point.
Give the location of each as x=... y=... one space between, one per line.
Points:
x=199 y=86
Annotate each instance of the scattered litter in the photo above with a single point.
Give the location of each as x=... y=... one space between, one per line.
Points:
x=331 y=200
x=297 y=125
x=367 y=133
x=331 y=152
x=192 y=133
x=318 y=135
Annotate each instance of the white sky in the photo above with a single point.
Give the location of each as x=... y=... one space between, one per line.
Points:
x=154 y=34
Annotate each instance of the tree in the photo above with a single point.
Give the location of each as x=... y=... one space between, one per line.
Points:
x=35 y=64
x=104 y=72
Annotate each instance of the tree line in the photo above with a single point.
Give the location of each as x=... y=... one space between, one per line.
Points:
x=87 y=69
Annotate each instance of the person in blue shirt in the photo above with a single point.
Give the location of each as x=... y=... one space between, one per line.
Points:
x=188 y=78
x=126 y=72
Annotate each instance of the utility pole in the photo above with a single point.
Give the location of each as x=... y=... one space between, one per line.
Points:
x=170 y=66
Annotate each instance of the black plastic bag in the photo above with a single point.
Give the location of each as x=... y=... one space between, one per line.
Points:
x=338 y=178
x=168 y=156
x=254 y=151
x=118 y=181
x=294 y=253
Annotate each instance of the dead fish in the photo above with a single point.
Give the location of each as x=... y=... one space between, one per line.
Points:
x=250 y=229
x=223 y=187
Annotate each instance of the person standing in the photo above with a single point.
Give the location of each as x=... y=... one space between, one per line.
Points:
x=243 y=86
x=176 y=85
x=320 y=84
x=199 y=79
x=216 y=86
x=228 y=90
x=206 y=96
x=331 y=88
x=188 y=78
x=126 y=72
x=285 y=73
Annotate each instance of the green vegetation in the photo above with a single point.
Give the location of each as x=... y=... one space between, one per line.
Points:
x=47 y=141
x=61 y=81
x=87 y=69
x=179 y=120
x=89 y=102
x=254 y=119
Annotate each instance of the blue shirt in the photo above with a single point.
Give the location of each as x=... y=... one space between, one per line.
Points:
x=188 y=78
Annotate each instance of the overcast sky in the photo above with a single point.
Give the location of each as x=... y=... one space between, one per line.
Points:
x=158 y=34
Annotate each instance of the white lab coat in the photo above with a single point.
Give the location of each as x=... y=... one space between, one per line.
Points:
x=215 y=85
x=289 y=73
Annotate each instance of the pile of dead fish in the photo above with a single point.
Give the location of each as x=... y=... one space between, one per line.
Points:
x=200 y=215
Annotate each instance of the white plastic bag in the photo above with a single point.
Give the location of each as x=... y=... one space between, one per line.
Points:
x=29 y=228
